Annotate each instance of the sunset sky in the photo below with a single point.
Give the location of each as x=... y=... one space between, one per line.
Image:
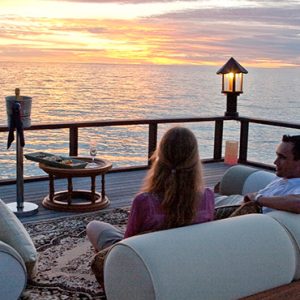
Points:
x=258 y=33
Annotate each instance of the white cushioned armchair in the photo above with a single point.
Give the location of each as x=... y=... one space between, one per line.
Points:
x=225 y=259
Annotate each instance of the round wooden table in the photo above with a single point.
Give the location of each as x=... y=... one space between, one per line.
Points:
x=88 y=200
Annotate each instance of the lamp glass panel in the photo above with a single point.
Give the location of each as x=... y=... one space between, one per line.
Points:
x=233 y=82
x=228 y=82
x=239 y=82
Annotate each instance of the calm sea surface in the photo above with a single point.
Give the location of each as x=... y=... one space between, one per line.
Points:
x=85 y=92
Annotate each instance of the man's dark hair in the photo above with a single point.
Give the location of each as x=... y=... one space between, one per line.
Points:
x=295 y=140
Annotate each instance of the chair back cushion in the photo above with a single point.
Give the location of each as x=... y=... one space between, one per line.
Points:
x=257 y=181
x=240 y=180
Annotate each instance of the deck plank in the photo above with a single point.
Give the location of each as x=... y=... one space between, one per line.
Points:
x=121 y=187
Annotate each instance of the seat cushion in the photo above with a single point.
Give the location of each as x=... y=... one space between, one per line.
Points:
x=13 y=275
x=13 y=233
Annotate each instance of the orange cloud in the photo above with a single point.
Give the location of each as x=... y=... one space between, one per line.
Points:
x=203 y=36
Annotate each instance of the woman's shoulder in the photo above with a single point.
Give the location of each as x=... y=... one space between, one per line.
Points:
x=144 y=197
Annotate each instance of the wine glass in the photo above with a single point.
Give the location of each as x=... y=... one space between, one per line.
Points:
x=93 y=153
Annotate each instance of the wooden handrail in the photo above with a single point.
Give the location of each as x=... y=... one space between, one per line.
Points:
x=269 y=122
x=105 y=123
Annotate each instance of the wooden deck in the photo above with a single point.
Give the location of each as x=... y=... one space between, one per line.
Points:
x=120 y=189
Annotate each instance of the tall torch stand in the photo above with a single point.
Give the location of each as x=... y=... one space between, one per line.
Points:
x=22 y=208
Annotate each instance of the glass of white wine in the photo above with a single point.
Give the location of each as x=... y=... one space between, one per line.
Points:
x=93 y=153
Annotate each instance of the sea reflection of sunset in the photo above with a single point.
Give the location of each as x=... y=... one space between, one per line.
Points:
x=87 y=92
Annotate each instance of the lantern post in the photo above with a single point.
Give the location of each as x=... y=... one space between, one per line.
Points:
x=232 y=85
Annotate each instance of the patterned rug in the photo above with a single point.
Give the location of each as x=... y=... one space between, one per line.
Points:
x=65 y=254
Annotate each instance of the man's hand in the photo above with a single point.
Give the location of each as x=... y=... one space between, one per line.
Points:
x=290 y=203
x=250 y=197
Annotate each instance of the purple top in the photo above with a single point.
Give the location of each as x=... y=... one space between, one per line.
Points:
x=146 y=214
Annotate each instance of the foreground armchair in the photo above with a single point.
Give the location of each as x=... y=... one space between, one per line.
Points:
x=225 y=259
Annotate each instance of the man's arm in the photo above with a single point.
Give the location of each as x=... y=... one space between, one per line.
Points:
x=290 y=203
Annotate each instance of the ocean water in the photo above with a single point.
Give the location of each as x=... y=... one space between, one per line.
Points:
x=85 y=92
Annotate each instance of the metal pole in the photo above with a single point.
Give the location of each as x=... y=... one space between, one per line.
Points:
x=22 y=209
x=20 y=178
x=14 y=106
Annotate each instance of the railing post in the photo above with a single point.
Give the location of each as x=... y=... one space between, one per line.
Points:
x=218 y=139
x=73 y=138
x=152 y=142
x=244 y=135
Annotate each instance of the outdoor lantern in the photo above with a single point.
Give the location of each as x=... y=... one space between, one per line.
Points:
x=232 y=84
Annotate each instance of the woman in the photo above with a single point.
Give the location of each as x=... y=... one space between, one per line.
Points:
x=173 y=193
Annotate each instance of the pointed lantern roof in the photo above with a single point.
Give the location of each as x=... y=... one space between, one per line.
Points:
x=232 y=66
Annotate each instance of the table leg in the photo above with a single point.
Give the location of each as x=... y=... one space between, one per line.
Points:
x=103 y=186
x=93 y=188
x=51 y=188
x=70 y=190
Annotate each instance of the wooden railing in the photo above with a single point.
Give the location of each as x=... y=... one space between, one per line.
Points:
x=153 y=133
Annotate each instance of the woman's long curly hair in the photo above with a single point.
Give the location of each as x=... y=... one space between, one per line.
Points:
x=176 y=176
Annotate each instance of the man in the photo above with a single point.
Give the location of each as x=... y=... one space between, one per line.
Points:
x=283 y=193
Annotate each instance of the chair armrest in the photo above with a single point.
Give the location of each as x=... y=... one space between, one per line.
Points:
x=13 y=275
